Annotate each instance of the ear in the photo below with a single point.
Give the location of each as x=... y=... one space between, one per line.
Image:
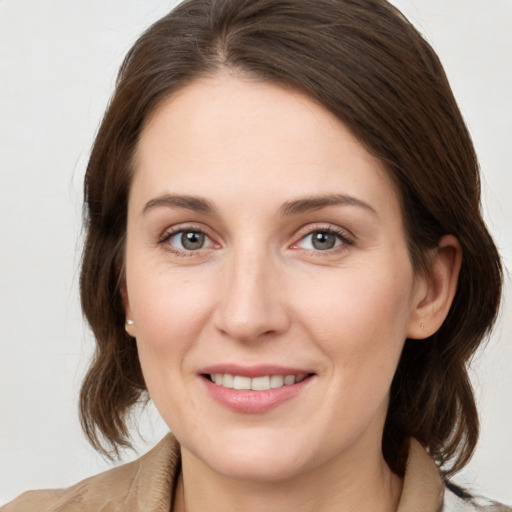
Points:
x=129 y=325
x=435 y=291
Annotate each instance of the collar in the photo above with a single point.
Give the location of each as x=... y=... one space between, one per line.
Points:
x=148 y=483
x=423 y=487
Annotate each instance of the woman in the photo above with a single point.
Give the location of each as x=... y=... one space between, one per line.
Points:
x=285 y=251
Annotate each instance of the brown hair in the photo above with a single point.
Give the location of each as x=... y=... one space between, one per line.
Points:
x=364 y=62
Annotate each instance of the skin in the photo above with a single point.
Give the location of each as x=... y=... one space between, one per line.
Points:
x=260 y=292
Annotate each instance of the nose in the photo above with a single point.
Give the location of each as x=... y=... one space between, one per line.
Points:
x=251 y=302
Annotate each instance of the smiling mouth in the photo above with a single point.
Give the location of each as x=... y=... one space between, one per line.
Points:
x=262 y=383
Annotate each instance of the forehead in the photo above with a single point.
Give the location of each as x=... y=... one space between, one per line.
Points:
x=229 y=134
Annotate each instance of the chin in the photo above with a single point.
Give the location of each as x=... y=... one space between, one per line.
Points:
x=258 y=467
x=255 y=456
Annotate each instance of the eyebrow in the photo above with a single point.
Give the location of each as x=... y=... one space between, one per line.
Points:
x=295 y=207
x=196 y=204
x=312 y=203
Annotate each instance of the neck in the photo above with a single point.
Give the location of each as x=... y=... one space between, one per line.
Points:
x=360 y=480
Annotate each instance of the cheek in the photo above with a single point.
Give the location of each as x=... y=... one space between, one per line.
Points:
x=359 y=319
x=170 y=309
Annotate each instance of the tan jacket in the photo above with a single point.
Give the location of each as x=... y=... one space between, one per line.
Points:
x=147 y=485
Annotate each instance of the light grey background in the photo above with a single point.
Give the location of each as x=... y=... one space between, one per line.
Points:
x=58 y=61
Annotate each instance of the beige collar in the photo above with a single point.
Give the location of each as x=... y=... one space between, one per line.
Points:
x=147 y=485
x=423 y=488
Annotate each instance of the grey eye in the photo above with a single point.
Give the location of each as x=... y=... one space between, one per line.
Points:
x=323 y=241
x=189 y=240
x=320 y=241
x=192 y=240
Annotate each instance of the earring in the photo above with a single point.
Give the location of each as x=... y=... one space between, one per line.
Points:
x=129 y=322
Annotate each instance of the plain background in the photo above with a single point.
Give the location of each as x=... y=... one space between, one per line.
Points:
x=58 y=61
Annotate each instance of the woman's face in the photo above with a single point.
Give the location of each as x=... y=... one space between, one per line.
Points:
x=265 y=250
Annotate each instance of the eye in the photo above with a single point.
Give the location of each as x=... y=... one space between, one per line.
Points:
x=188 y=240
x=321 y=240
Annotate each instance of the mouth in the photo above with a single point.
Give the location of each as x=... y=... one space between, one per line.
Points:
x=259 y=383
x=255 y=389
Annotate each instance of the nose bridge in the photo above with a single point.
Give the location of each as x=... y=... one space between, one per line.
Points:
x=250 y=300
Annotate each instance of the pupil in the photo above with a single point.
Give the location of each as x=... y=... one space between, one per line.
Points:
x=323 y=241
x=192 y=240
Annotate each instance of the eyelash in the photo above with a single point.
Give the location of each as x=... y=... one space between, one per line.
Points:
x=340 y=234
x=168 y=235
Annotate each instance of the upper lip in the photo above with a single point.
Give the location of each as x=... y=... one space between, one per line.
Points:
x=253 y=371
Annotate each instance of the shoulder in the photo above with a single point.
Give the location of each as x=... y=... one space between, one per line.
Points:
x=95 y=493
x=458 y=500
x=146 y=482
x=425 y=488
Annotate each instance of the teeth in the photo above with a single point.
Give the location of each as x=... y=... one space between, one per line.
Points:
x=289 y=379
x=262 y=383
x=227 y=380
x=276 y=381
x=242 y=382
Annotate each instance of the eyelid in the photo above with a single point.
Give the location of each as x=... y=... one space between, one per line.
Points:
x=343 y=234
x=174 y=230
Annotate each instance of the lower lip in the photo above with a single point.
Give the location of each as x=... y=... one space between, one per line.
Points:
x=248 y=401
